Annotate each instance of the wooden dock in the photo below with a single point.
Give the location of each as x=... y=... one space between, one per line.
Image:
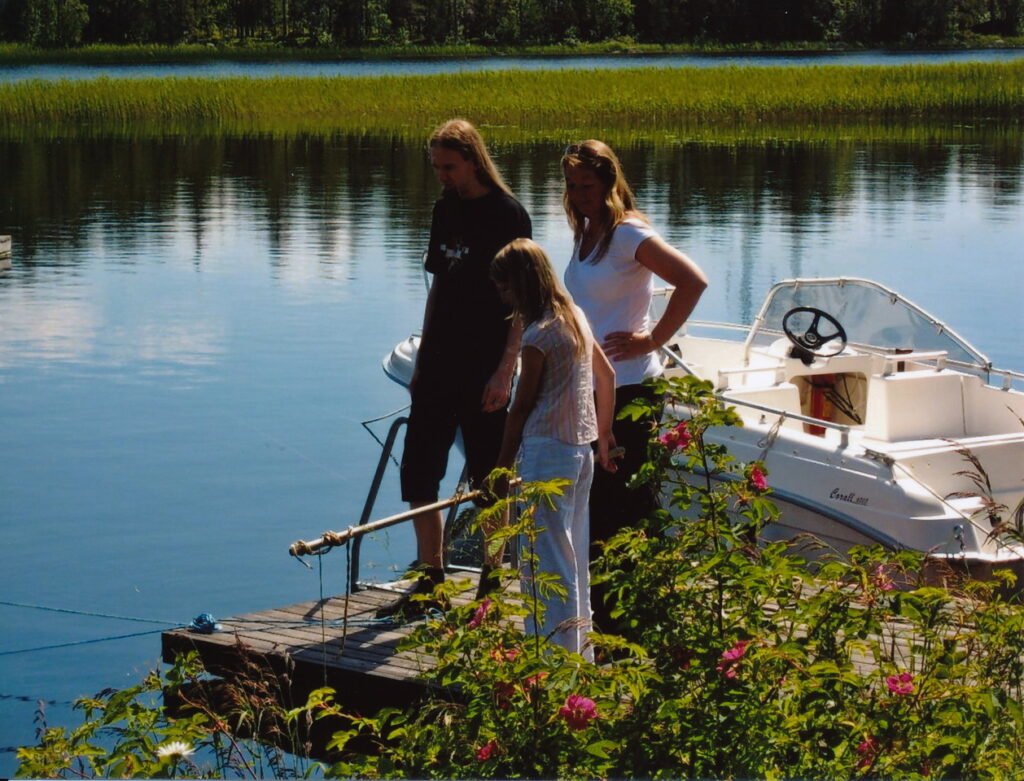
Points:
x=336 y=643
x=339 y=643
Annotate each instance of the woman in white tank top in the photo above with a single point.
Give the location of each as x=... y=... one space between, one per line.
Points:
x=616 y=256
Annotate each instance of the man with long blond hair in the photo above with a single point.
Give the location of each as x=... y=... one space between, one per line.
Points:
x=469 y=345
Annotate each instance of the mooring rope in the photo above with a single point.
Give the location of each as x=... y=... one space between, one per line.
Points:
x=323 y=626
x=85 y=642
x=30 y=698
x=86 y=613
x=344 y=614
x=165 y=625
x=766 y=442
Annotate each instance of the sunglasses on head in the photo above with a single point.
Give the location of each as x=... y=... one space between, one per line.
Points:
x=581 y=150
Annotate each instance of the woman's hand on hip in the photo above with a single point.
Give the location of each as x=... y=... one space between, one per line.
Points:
x=620 y=345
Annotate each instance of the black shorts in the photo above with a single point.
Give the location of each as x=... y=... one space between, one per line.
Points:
x=433 y=422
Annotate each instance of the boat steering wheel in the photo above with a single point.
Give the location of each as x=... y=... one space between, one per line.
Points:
x=812 y=340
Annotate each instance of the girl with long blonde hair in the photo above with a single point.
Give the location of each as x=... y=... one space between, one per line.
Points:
x=563 y=403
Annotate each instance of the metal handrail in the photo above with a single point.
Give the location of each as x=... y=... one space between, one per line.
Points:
x=355 y=533
x=334 y=539
x=842 y=428
x=727 y=373
x=371 y=499
x=892 y=361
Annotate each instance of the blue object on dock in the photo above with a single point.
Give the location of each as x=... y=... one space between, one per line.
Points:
x=205 y=624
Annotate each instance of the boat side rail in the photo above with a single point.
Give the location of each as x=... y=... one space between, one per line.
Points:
x=992 y=374
x=1009 y=377
x=725 y=374
x=943 y=361
x=842 y=428
x=892 y=361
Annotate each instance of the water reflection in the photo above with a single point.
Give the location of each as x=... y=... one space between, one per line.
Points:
x=315 y=209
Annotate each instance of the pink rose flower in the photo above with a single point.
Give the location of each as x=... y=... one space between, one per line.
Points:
x=758 y=480
x=737 y=651
x=501 y=655
x=670 y=439
x=685 y=437
x=578 y=711
x=481 y=612
x=484 y=752
x=535 y=680
x=676 y=438
x=901 y=684
x=882 y=580
x=868 y=750
x=731 y=659
x=868 y=746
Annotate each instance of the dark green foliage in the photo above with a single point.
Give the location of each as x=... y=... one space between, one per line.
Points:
x=49 y=23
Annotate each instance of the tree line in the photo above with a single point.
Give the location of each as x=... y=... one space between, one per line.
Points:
x=62 y=23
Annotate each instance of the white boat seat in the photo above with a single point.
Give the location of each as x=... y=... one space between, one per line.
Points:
x=924 y=404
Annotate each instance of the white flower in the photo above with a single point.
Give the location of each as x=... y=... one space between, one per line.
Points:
x=176 y=749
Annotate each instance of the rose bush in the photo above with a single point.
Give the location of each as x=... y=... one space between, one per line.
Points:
x=738 y=658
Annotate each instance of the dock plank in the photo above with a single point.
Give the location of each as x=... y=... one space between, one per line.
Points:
x=337 y=642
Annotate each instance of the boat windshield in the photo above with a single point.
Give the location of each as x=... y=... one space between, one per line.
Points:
x=872 y=315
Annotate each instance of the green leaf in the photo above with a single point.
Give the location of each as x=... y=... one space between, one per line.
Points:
x=601 y=748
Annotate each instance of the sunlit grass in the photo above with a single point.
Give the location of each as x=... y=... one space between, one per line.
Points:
x=534 y=104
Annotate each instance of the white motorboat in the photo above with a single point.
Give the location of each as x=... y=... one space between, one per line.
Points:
x=864 y=409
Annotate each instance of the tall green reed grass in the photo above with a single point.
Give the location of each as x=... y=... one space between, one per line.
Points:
x=533 y=104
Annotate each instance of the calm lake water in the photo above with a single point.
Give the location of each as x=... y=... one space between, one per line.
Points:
x=192 y=330
x=427 y=67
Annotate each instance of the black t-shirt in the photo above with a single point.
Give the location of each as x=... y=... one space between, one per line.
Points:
x=466 y=335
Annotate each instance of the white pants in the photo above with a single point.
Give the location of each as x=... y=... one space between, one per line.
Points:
x=563 y=547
